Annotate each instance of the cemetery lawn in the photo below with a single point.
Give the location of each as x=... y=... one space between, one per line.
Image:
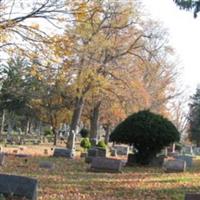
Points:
x=69 y=180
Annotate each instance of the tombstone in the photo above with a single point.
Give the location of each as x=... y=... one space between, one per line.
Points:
x=102 y=164
x=63 y=152
x=188 y=159
x=18 y=186
x=46 y=165
x=2 y=159
x=121 y=150
x=187 y=150
x=196 y=151
x=95 y=152
x=157 y=161
x=174 y=166
x=192 y=196
x=114 y=152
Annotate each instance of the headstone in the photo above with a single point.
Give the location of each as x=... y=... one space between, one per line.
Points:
x=95 y=152
x=47 y=165
x=192 y=196
x=106 y=165
x=187 y=150
x=114 y=152
x=63 y=152
x=196 y=151
x=157 y=161
x=2 y=159
x=188 y=159
x=18 y=186
x=122 y=150
x=174 y=166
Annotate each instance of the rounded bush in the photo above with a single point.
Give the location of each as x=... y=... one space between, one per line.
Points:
x=84 y=132
x=48 y=132
x=148 y=132
x=85 y=143
x=101 y=144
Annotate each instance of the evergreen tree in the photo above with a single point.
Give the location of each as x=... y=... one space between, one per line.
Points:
x=194 y=118
x=188 y=5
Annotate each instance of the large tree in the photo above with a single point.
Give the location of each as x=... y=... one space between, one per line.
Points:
x=194 y=118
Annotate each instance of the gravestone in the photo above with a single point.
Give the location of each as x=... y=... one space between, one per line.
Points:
x=188 y=159
x=2 y=159
x=63 y=152
x=18 y=186
x=196 y=151
x=174 y=166
x=95 y=152
x=114 y=152
x=187 y=150
x=121 y=150
x=46 y=165
x=192 y=196
x=100 y=164
x=157 y=161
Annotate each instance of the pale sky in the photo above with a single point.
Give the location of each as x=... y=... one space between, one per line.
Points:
x=184 y=36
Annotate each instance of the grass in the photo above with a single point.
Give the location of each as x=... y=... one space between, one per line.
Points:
x=71 y=181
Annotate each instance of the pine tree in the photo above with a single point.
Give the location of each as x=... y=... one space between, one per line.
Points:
x=188 y=5
x=194 y=118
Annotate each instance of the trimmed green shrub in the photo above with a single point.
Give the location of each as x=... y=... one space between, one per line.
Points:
x=48 y=132
x=85 y=143
x=148 y=132
x=84 y=132
x=101 y=144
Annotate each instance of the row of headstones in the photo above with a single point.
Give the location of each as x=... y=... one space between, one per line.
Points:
x=179 y=163
x=97 y=164
x=27 y=187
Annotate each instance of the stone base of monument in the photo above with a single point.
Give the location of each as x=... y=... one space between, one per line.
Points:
x=64 y=152
x=192 y=196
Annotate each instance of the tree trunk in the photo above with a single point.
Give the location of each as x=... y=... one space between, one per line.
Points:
x=3 y=121
x=75 y=120
x=94 y=122
x=55 y=136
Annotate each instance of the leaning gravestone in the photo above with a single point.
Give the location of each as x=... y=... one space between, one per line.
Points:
x=95 y=152
x=174 y=166
x=100 y=164
x=192 y=196
x=63 y=152
x=18 y=186
x=121 y=150
x=188 y=159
